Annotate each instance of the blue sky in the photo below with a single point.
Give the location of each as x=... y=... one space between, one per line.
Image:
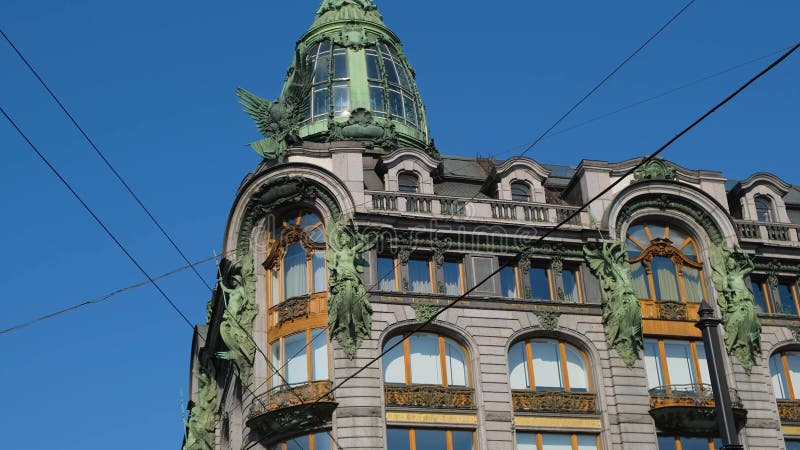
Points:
x=152 y=82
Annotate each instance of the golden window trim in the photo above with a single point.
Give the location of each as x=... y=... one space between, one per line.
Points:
x=664 y=247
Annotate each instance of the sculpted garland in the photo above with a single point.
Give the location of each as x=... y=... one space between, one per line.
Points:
x=349 y=311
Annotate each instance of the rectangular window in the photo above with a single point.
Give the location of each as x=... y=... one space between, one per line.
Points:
x=340 y=63
x=540 y=284
x=294 y=348
x=341 y=99
x=786 y=299
x=318 y=268
x=685 y=443
x=792 y=445
x=319 y=346
x=676 y=366
x=652 y=363
x=425 y=360
x=452 y=277
x=429 y=439
x=386 y=274
x=419 y=275
x=570 y=279
x=547 y=365
x=275 y=359
x=376 y=99
x=373 y=73
x=508 y=282
x=554 y=441
x=760 y=295
x=482 y=267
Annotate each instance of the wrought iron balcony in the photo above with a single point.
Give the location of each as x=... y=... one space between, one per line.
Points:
x=768 y=232
x=789 y=411
x=292 y=407
x=689 y=408
x=554 y=401
x=483 y=209
x=429 y=396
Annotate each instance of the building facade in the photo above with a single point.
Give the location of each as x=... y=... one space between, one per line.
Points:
x=355 y=230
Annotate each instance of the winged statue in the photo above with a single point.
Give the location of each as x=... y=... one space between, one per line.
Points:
x=737 y=305
x=622 y=315
x=236 y=328
x=349 y=311
x=279 y=120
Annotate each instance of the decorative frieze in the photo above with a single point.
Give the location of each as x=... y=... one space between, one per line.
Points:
x=789 y=411
x=554 y=401
x=294 y=308
x=672 y=311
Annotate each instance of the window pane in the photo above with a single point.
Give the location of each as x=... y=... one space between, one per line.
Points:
x=318 y=268
x=295 y=279
x=430 y=439
x=393 y=363
x=322 y=441
x=395 y=103
x=307 y=221
x=275 y=359
x=792 y=445
x=320 y=352
x=341 y=100
x=556 y=442
x=419 y=275
x=705 y=375
x=763 y=209
x=391 y=75
x=294 y=348
x=397 y=439
x=680 y=364
x=540 y=283
x=408 y=182
x=299 y=443
x=321 y=69
x=320 y=106
x=276 y=297
x=692 y=284
x=372 y=65
x=758 y=295
x=456 y=361
x=452 y=278
x=779 y=385
x=786 y=299
x=576 y=369
x=410 y=109
x=694 y=443
x=376 y=98
x=520 y=192
x=462 y=440
x=386 y=280
x=546 y=365
x=340 y=63
x=666 y=443
x=526 y=441
x=652 y=364
x=665 y=279
x=793 y=361
x=570 y=280
x=586 y=442
x=425 y=365
x=640 y=281
x=518 y=366
x=508 y=282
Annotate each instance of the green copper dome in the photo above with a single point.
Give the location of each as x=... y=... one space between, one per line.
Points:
x=350 y=80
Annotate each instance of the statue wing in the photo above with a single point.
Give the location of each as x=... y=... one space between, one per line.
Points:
x=719 y=256
x=298 y=91
x=257 y=107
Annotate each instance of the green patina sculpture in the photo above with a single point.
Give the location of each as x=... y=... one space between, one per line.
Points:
x=349 y=311
x=201 y=426
x=279 y=121
x=361 y=126
x=332 y=5
x=622 y=314
x=655 y=170
x=737 y=305
x=424 y=311
x=241 y=309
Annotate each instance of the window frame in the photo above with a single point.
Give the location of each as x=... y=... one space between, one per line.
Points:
x=408 y=174
x=441 y=339
x=573 y=435
x=786 y=374
x=663 y=365
x=767 y=206
x=562 y=355
x=555 y=280
x=276 y=381
x=412 y=439
x=462 y=286
x=677 y=445
x=311 y=442
x=327 y=84
x=663 y=247
x=791 y=284
x=431 y=274
x=523 y=184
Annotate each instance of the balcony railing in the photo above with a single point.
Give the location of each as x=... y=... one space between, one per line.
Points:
x=286 y=408
x=554 y=401
x=775 y=233
x=689 y=408
x=429 y=397
x=486 y=209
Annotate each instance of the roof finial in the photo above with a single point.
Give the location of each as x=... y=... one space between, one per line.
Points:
x=331 y=5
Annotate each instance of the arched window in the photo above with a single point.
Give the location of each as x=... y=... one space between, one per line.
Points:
x=764 y=209
x=520 y=191
x=408 y=182
x=426 y=358
x=296 y=257
x=665 y=264
x=548 y=365
x=784 y=369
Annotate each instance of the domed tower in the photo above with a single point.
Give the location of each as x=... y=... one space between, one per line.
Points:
x=350 y=81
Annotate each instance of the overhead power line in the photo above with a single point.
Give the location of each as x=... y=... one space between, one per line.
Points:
x=565 y=221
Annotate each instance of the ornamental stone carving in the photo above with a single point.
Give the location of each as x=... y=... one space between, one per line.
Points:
x=672 y=311
x=789 y=411
x=424 y=311
x=548 y=320
x=294 y=308
x=655 y=170
x=434 y=397
x=554 y=401
x=238 y=285
x=361 y=126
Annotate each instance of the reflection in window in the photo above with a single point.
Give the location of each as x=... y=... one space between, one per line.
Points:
x=675 y=366
x=792 y=445
x=318 y=441
x=395 y=90
x=540 y=284
x=784 y=369
x=330 y=92
x=426 y=359
x=508 y=282
x=408 y=182
x=571 y=290
x=419 y=275
x=665 y=264
x=520 y=191
x=760 y=295
x=296 y=258
x=429 y=439
x=386 y=274
x=543 y=364
x=787 y=298
x=452 y=277
x=763 y=209
x=686 y=443
x=553 y=441
x=301 y=357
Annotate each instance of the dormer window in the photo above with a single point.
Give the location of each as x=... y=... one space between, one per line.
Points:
x=764 y=209
x=520 y=191
x=408 y=182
